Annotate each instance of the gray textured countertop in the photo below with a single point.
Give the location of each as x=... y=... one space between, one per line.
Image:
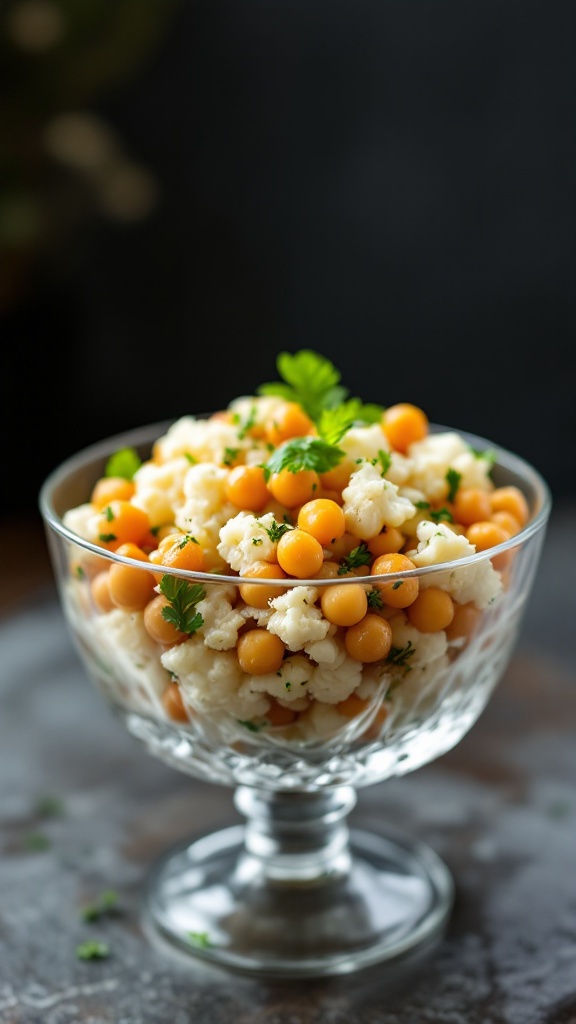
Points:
x=500 y=809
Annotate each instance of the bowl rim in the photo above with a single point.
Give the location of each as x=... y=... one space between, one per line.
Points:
x=148 y=433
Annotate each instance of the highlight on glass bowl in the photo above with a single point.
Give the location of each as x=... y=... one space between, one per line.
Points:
x=296 y=596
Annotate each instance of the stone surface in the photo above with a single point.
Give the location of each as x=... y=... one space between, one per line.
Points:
x=500 y=809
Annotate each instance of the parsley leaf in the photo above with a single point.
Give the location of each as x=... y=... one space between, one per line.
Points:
x=385 y=460
x=183 y=598
x=304 y=453
x=92 y=951
x=374 y=599
x=230 y=454
x=199 y=939
x=358 y=556
x=309 y=379
x=441 y=514
x=277 y=530
x=105 y=903
x=123 y=463
x=399 y=656
x=453 y=478
x=334 y=422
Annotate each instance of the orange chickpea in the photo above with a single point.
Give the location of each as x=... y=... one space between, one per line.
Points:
x=323 y=519
x=328 y=570
x=507 y=521
x=130 y=588
x=344 y=605
x=277 y=714
x=288 y=421
x=162 y=631
x=471 y=505
x=100 y=589
x=432 y=610
x=299 y=554
x=344 y=546
x=464 y=621
x=352 y=706
x=247 y=489
x=259 y=596
x=486 y=535
x=292 y=489
x=173 y=703
x=386 y=543
x=111 y=488
x=373 y=730
x=369 y=640
x=338 y=478
x=403 y=424
x=396 y=593
x=510 y=499
x=120 y=522
x=181 y=551
x=260 y=652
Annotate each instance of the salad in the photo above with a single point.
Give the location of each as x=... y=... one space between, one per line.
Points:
x=307 y=524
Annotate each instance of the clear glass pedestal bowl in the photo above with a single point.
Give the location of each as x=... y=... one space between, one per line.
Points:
x=295 y=892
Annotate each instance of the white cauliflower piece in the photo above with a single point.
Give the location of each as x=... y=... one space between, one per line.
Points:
x=256 y=409
x=203 y=439
x=322 y=721
x=326 y=651
x=244 y=540
x=296 y=620
x=371 y=501
x=333 y=683
x=221 y=620
x=364 y=443
x=478 y=582
x=205 y=509
x=289 y=684
x=160 y=489
x=399 y=469
x=132 y=656
x=212 y=681
x=260 y=615
x=431 y=459
x=428 y=647
x=82 y=521
x=474 y=471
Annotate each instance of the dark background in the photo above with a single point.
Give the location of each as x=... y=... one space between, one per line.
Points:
x=190 y=187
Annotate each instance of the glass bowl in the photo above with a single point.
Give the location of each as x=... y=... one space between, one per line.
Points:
x=294 y=892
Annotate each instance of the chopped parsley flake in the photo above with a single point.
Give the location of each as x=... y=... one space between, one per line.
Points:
x=230 y=454
x=109 y=515
x=400 y=656
x=199 y=939
x=358 y=556
x=106 y=538
x=80 y=572
x=105 y=903
x=385 y=460
x=397 y=584
x=123 y=463
x=191 y=459
x=187 y=539
x=277 y=530
x=453 y=478
x=251 y=726
x=183 y=598
x=442 y=514
x=374 y=599
x=92 y=951
x=36 y=842
x=247 y=424
x=49 y=807
x=257 y=541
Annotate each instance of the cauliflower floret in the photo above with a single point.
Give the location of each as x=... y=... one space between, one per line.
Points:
x=431 y=459
x=296 y=620
x=203 y=439
x=221 y=620
x=160 y=489
x=260 y=615
x=133 y=657
x=479 y=582
x=81 y=520
x=427 y=647
x=289 y=684
x=205 y=509
x=244 y=540
x=364 y=443
x=321 y=721
x=332 y=683
x=212 y=681
x=326 y=651
x=255 y=409
x=371 y=501
x=399 y=469
x=474 y=471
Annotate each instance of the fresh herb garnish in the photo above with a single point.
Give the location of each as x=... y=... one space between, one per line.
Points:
x=400 y=656
x=190 y=458
x=36 y=842
x=422 y=504
x=107 y=538
x=385 y=460
x=277 y=530
x=199 y=939
x=488 y=454
x=187 y=539
x=257 y=541
x=304 y=453
x=49 y=807
x=333 y=423
x=247 y=424
x=397 y=584
x=105 y=903
x=108 y=514
x=442 y=515
x=92 y=951
x=453 y=478
x=230 y=454
x=374 y=599
x=183 y=598
x=358 y=556
x=251 y=726
x=123 y=463
x=309 y=379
